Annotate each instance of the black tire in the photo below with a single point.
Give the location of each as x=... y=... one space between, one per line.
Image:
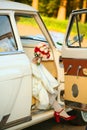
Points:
x=81 y=117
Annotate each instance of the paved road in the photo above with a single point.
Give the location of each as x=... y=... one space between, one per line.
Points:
x=52 y=125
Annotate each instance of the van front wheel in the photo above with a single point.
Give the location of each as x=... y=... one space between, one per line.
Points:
x=81 y=117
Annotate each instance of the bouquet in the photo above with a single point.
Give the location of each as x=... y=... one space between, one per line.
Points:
x=41 y=51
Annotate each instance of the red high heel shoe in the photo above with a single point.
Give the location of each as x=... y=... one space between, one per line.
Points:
x=58 y=116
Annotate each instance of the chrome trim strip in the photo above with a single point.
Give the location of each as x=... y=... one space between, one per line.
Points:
x=3 y=121
x=11 y=53
x=16 y=122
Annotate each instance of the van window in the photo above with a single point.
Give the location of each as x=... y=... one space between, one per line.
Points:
x=77 y=36
x=7 y=41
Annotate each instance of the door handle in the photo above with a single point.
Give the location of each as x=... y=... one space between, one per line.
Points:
x=69 y=67
x=78 y=70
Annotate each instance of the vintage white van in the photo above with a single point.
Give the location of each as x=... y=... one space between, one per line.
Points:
x=67 y=64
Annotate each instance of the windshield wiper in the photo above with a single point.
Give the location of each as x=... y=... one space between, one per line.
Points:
x=33 y=38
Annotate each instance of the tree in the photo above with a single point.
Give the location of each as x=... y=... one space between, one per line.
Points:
x=48 y=7
x=43 y=7
x=62 y=10
x=83 y=17
x=52 y=8
x=23 y=1
x=35 y=4
x=77 y=3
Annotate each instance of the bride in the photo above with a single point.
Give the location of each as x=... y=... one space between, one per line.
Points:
x=45 y=85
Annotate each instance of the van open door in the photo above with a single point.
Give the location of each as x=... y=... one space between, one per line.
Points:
x=74 y=56
x=15 y=77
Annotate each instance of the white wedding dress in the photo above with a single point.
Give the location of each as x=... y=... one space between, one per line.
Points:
x=43 y=83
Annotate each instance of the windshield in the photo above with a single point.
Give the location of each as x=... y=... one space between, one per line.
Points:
x=29 y=30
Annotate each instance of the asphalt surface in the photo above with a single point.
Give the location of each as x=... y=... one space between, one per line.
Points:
x=52 y=125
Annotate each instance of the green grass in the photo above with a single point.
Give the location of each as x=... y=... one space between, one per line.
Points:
x=61 y=25
x=51 y=23
x=55 y=25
